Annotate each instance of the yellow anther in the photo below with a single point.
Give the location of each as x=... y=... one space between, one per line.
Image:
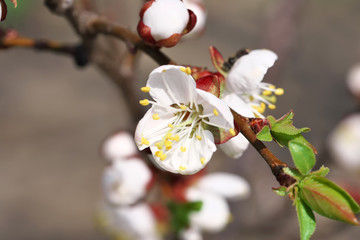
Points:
x=202 y=160
x=272 y=106
x=176 y=138
x=198 y=137
x=216 y=113
x=168 y=136
x=232 y=131
x=183 y=149
x=156 y=116
x=251 y=98
x=170 y=125
x=159 y=153
x=188 y=70
x=145 y=89
x=183 y=69
x=164 y=70
x=266 y=93
x=183 y=107
x=279 y=91
x=182 y=168
x=168 y=145
x=263 y=106
x=159 y=145
x=272 y=87
x=162 y=157
x=144 y=102
x=144 y=141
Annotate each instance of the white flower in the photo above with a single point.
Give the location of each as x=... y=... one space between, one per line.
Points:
x=197 y=6
x=344 y=142
x=132 y=222
x=118 y=146
x=244 y=81
x=353 y=80
x=175 y=127
x=125 y=181
x=212 y=190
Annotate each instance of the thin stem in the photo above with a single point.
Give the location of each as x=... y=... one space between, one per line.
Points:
x=275 y=164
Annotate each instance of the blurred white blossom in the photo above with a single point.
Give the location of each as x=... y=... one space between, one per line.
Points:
x=344 y=142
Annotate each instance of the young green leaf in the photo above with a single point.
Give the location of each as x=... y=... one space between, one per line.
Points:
x=303 y=156
x=281 y=191
x=293 y=173
x=180 y=214
x=264 y=134
x=322 y=172
x=306 y=219
x=328 y=199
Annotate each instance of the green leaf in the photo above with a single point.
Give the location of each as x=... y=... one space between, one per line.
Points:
x=272 y=120
x=306 y=219
x=281 y=191
x=180 y=213
x=264 y=134
x=303 y=156
x=293 y=173
x=328 y=199
x=322 y=172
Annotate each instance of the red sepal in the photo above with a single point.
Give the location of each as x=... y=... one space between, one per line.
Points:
x=217 y=59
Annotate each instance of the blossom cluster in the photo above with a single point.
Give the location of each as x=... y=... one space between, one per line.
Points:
x=191 y=109
x=127 y=181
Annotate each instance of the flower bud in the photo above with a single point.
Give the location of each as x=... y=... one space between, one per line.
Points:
x=163 y=22
x=198 y=7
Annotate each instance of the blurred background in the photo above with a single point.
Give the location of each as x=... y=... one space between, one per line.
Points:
x=54 y=116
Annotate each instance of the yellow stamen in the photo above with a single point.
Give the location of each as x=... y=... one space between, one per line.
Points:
x=156 y=116
x=145 y=89
x=215 y=112
x=144 y=102
x=272 y=87
x=164 y=70
x=168 y=145
x=202 y=160
x=159 y=145
x=272 y=106
x=144 y=141
x=279 y=91
x=183 y=149
x=232 y=132
x=170 y=125
x=183 y=69
x=198 y=137
x=159 y=153
x=266 y=93
x=182 y=168
x=168 y=136
x=177 y=138
x=183 y=107
x=251 y=98
x=163 y=157
x=188 y=70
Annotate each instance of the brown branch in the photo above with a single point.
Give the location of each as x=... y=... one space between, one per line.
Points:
x=274 y=163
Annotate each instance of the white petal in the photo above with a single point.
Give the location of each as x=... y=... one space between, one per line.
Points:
x=345 y=142
x=191 y=234
x=197 y=6
x=211 y=102
x=125 y=182
x=135 y=222
x=249 y=70
x=171 y=87
x=198 y=153
x=236 y=146
x=120 y=145
x=214 y=214
x=226 y=185
x=165 y=18
x=238 y=105
x=150 y=129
